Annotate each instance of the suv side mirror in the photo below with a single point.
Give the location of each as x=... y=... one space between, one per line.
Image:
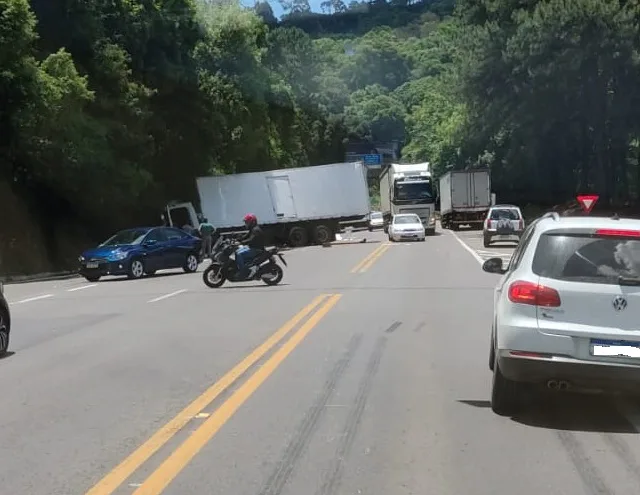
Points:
x=494 y=265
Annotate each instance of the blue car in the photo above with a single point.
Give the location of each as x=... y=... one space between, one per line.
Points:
x=140 y=251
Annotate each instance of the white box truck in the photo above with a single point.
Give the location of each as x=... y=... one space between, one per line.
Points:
x=293 y=205
x=408 y=188
x=465 y=198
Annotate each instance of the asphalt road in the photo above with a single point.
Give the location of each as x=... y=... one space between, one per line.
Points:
x=380 y=386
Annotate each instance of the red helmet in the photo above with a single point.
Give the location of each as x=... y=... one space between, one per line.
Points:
x=250 y=218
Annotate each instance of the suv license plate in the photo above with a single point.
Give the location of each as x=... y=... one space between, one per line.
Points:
x=615 y=348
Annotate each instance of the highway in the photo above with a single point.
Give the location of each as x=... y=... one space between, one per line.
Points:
x=365 y=372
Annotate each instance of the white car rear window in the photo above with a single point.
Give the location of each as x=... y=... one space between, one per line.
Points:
x=587 y=258
x=505 y=214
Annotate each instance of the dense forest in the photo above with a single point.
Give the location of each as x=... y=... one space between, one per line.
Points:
x=112 y=107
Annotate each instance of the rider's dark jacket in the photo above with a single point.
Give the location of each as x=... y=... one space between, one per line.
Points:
x=255 y=238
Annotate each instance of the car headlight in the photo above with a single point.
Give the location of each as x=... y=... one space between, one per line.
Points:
x=81 y=259
x=118 y=255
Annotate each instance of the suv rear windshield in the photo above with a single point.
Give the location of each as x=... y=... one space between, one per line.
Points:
x=505 y=214
x=587 y=258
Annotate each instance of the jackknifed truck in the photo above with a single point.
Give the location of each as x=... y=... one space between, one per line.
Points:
x=295 y=206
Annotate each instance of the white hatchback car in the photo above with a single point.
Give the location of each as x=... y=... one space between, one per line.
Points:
x=406 y=226
x=567 y=310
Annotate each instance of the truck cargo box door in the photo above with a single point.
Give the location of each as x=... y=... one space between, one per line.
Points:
x=282 y=197
x=481 y=193
x=460 y=190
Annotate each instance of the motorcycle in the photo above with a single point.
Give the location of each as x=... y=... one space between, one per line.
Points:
x=224 y=267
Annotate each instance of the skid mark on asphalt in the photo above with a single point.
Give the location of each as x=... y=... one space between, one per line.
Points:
x=621 y=449
x=282 y=473
x=334 y=475
x=589 y=474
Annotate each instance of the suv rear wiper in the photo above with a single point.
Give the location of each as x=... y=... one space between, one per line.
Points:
x=629 y=280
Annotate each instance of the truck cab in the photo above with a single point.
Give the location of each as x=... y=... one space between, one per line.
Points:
x=178 y=215
x=409 y=189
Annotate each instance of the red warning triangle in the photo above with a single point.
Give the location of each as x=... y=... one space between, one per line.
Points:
x=587 y=201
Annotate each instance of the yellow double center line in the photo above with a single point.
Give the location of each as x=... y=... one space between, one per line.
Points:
x=178 y=460
x=369 y=260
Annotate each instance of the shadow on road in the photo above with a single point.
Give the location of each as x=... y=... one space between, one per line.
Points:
x=146 y=277
x=254 y=286
x=7 y=355
x=569 y=413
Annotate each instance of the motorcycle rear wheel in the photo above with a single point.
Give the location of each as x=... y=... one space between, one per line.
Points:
x=213 y=276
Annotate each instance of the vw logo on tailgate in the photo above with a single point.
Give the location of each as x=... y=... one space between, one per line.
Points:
x=619 y=303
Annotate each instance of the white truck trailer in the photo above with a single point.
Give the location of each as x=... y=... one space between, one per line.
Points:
x=408 y=188
x=465 y=198
x=293 y=205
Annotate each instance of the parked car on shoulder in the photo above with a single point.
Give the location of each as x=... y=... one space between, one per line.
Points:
x=503 y=223
x=406 y=227
x=566 y=311
x=5 y=322
x=141 y=251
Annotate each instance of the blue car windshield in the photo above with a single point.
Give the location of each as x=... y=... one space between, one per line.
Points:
x=126 y=237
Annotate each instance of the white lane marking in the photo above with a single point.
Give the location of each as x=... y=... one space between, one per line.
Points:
x=81 y=287
x=168 y=295
x=464 y=245
x=492 y=253
x=37 y=298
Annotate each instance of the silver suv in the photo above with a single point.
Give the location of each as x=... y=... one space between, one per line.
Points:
x=567 y=310
x=503 y=223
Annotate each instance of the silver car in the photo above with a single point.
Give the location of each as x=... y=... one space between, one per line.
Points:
x=375 y=220
x=503 y=223
x=406 y=226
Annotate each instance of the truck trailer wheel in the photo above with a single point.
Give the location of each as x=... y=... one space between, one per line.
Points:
x=298 y=237
x=322 y=234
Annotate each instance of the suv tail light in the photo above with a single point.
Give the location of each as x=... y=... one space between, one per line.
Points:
x=521 y=292
x=521 y=224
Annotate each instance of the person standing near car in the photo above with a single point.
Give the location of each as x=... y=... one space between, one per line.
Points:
x=206 y=233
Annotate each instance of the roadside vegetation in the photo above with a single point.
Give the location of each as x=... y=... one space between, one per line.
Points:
x=110 y=109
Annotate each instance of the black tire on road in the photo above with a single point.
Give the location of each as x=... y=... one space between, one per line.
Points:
x=486 y=241
x=276 y=272
x=4 y=332
x=322 y=234
x=212 y=277
x=506 y=395
x=298 y=237
x=92 y=278
x=136 y=269
x=191 y=263
x=492 y=354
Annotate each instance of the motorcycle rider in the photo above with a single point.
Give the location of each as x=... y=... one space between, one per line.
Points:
x=253 y=244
